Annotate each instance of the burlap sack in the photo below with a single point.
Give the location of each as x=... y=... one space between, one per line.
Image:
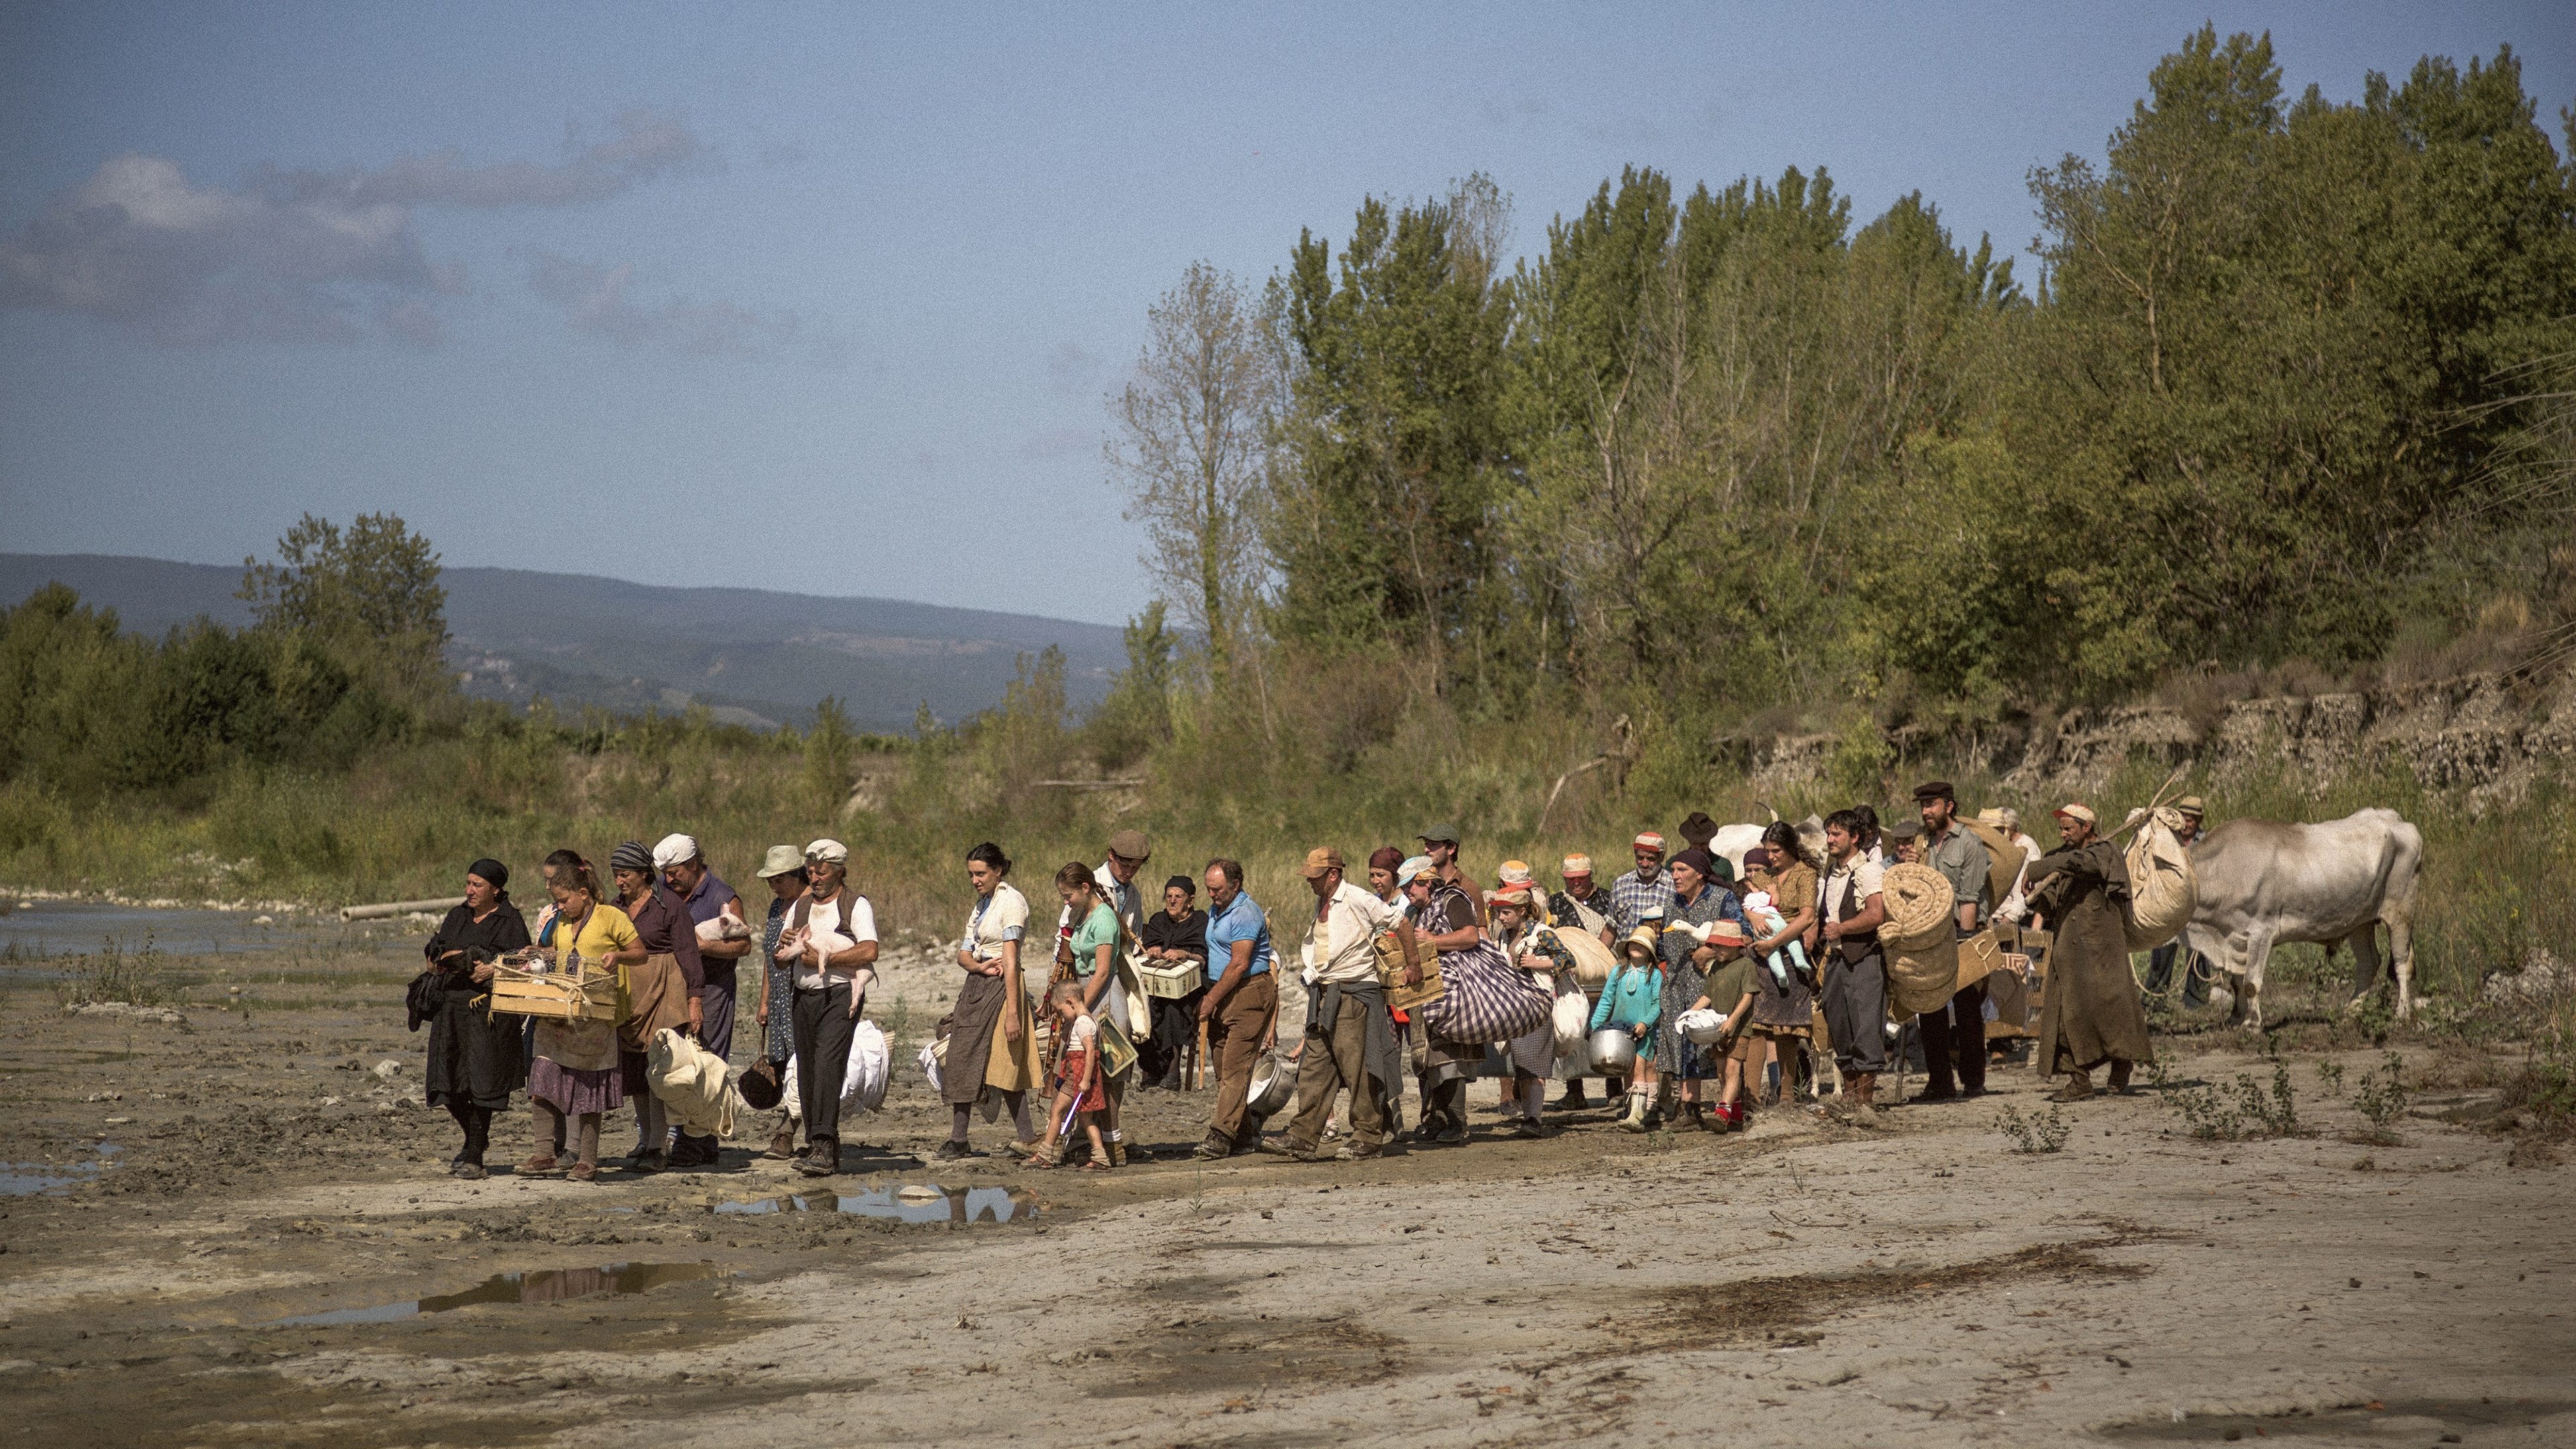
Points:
x=1593 y=962
x=1921 y=940
x=2163 y=892
x=1922 y=979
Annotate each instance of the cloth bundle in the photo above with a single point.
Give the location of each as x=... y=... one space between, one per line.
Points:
x=693 y=1083
x=863 y=1081
x=1701 y=1025
x=1488 y=998
x=2163 y=891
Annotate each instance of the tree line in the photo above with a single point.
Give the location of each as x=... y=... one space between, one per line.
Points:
x=2288 y=383
x=346 y=649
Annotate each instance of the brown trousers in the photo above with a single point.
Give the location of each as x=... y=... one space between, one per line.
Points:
x=1335 y=1056
x=1238 y=1035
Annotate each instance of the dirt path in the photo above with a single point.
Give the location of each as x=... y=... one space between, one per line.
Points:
x=1798 y=1284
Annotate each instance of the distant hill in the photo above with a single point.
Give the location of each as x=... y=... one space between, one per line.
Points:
x=753 y=656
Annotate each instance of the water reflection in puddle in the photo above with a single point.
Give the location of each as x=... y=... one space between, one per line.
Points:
x=548 y=1285
x=25 y=1179
x=910 y=1204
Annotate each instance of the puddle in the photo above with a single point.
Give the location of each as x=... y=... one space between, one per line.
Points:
x=26 y=1179
x=547 y=1285
x=909 y=1204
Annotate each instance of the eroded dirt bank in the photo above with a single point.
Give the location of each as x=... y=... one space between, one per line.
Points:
x=1799 y=1284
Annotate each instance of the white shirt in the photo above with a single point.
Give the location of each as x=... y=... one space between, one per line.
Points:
x=1863 y=873
x=1123 y=898
x=1344 y=937
x=1005 y=919
x=830 y=929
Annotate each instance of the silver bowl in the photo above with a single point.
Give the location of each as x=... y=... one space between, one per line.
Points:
x=1613 y=1049
x=1274 y=1086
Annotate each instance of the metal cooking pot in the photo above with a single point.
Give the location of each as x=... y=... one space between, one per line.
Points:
x=1613 y=1049
x=1274 y=1086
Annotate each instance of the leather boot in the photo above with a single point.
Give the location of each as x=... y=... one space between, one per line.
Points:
x=1864 y=1107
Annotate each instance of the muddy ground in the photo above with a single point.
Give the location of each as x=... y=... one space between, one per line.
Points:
x=1801 y=1283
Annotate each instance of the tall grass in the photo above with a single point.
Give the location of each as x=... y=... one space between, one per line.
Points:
x=1263 y=773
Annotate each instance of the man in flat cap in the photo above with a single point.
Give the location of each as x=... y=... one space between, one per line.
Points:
x=1954 y=1037
x=1643 y=893
x=2160 y=962
x=1348 y=1042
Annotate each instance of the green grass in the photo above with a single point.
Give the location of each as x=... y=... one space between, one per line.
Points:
x=1250 y=780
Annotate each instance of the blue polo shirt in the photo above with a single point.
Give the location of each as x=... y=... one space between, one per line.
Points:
x=1241 y=920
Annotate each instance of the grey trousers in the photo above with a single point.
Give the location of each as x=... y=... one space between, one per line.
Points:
x=1855 y=1002
x=823 y=1030
x=1335 y=1055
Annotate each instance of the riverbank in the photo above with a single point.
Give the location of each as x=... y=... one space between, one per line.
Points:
x=1801 y=1282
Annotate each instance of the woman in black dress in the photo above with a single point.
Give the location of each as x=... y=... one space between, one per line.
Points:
x=475 y=1061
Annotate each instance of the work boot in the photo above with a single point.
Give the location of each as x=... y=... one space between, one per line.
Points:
x=1573 y=1100
x=823 y=1160
x=2120 y=1076
x=782 y=1145
x=1864 y=1102
x=2078 y=1088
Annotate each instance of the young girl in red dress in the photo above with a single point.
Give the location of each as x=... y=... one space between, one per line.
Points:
x=1078 y=1089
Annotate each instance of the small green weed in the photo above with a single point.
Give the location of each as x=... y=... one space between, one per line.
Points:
x=2242 y=1113
x=2381 y=1098
x=2035 y=1134
x=2331 y=1073
x=116 y=974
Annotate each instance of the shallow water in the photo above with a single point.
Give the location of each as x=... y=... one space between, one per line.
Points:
x=910 y=1204
x=35 y=930
x=26 y=1179
x=547 y=1285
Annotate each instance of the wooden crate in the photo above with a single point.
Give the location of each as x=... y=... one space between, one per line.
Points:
x=585 y=993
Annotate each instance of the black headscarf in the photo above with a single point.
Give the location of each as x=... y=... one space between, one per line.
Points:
x=491 y=870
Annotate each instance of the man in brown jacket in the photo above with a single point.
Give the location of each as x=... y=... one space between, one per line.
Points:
x=2092 y=1013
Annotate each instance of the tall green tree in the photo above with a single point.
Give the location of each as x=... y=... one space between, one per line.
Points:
x=369 y=595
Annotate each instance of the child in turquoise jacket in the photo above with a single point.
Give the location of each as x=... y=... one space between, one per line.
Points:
x=1633 y=999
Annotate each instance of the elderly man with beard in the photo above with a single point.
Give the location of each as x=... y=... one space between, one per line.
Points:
x=1644 y=893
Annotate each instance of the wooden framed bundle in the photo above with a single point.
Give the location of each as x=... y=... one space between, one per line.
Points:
x=582 y=991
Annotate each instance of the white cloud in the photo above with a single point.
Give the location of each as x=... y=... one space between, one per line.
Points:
x=301 y=256
x=595 y=298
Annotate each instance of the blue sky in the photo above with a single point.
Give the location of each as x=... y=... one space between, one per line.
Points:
x=828 y=298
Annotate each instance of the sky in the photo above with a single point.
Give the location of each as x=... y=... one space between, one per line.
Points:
x=831 y=298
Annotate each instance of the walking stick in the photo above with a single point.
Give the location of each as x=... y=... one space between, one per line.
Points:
x=1198 y=1063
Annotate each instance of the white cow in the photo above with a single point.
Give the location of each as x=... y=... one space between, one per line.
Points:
x=2263 y=882
x=1731 y=841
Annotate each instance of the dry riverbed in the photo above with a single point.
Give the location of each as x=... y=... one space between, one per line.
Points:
x=250 y=1238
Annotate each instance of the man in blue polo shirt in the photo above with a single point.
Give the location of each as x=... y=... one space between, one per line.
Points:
x=1240 y=1012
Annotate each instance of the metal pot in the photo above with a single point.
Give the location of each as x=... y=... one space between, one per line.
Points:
x=1274 y=1086
x=1613 y=1049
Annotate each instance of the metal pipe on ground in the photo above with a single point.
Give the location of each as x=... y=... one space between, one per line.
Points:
x=399 y=908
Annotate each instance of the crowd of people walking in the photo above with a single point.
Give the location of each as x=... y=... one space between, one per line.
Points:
x=1698 y=987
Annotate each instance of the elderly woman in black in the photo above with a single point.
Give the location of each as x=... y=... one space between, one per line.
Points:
x=475 y=1061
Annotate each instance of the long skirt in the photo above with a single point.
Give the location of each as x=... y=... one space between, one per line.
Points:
x=574 y=1092
x=474 y=1058
x=1675 y=1054
x=980 y=1053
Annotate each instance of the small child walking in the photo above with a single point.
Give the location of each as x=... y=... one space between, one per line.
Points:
x=1633 y=1000
x=1078 y=1089
x=1729 y=988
